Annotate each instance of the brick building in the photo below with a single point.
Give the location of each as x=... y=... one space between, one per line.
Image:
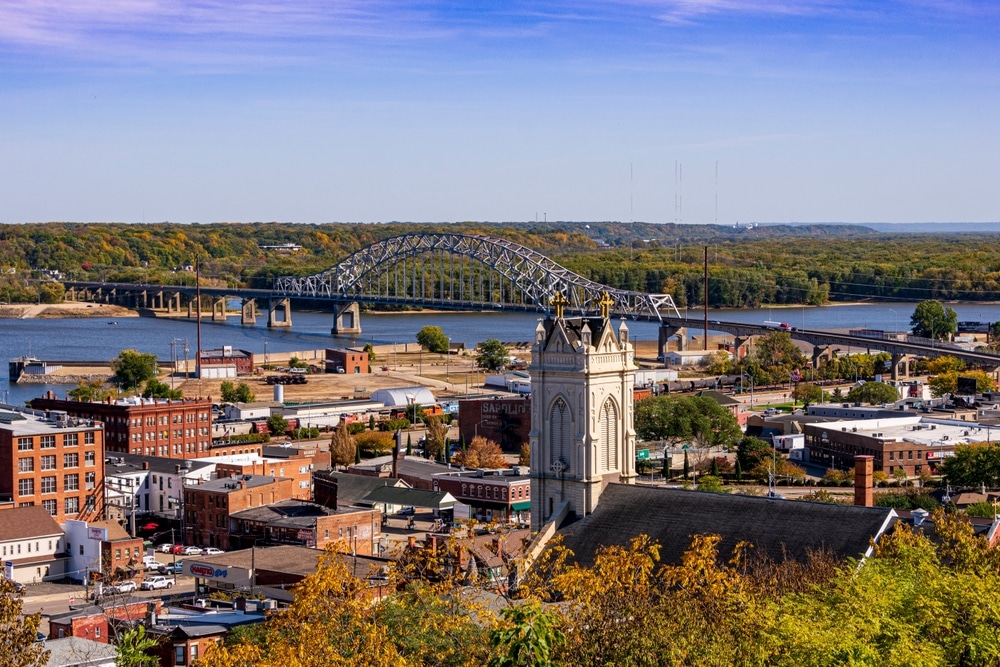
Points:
x=209 y=506
x=242 y=360
x=154 y=427
x=356 y=529
x=121 y=554
x=54 y=461
x=298 y=467
x=504 y=420
x=501 y=495
x=347 y=360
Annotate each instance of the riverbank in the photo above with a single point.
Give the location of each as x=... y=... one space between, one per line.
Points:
x=68 y=310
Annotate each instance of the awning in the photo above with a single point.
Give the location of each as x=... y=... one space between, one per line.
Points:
x=521 y=506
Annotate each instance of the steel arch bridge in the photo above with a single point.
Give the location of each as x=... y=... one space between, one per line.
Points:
x=467 y=272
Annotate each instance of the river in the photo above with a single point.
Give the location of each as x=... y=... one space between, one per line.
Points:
x=96 y=339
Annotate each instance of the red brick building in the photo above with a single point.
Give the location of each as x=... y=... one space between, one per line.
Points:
x=54 y=461
x=348 y=359
x=96 y=623
x=121 y=554
x=503 y=496
x=506 y=421
x=179 y=429
x=208 y=506
x=227 y=356
x=353 y=529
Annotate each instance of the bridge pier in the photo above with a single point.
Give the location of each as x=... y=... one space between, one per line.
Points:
x=248 y=312
x=273 y=321
x=219 y=309
x=666 y=331
x=900 y=360
x=820 y=352
x=346 y=319
x=174 y=303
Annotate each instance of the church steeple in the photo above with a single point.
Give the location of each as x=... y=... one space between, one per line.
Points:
x=582 y=437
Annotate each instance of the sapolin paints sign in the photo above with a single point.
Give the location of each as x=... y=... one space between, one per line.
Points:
x=208 y=571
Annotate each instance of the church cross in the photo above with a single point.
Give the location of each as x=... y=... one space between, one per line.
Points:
x=560 y=302
x=606 y=303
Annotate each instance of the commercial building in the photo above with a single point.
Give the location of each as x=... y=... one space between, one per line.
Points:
x=155 y=427
x=240 y=360
x=351 y=529
x=52 y=460
x=347 y=360
x=504 y=420
x=209 y=506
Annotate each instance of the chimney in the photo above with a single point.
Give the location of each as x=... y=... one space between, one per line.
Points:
x=863 y=469
x=145 y=465
x=395 y=461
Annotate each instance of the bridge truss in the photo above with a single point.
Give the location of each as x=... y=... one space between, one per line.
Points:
x=467 y=271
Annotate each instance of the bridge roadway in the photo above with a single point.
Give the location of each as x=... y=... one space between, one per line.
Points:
x=821 y=339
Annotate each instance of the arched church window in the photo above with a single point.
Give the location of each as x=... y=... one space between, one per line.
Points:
x=609 y=436
x=561 y=429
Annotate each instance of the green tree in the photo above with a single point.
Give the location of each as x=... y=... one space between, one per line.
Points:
x=982 y=509
x=370 y=350
x=527 y=638
x=720 y=362
x=493 y=355
x=133 y=369
x=18 y=647
x=236 y=393
x=712 y=484
x=873 y=393
x=414 y=413
x=156 y=389
x=433 y=338
x=973 y=465
x=94 y=390
x=750 y=452
x=807 y=393
x=947 y=383
x=133 y=647
x=686 y=419
x=931 y=319
x=277 y=424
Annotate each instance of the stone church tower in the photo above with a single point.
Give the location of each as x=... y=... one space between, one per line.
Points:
x=582 y=435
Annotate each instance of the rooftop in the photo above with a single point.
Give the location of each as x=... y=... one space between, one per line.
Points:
x=289 y=559
x=22 y=523
x=24 y=422
x=120 y=463
x=227 y=485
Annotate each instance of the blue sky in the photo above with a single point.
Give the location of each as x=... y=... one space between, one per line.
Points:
x=646 y=110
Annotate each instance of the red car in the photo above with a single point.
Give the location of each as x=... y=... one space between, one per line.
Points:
x=177 y=549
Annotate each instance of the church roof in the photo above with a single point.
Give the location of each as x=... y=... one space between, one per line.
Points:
x=571 y=330
x=777 y=528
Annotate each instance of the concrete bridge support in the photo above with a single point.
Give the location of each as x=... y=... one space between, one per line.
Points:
x=174 y=303
x=900 y=362
x=219 y=310
x=666 y=331
x=821 y=352
x=248 y=312
x=346 y=319
x=273 y=320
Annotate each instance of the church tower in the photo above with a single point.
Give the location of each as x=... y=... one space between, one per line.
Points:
x=582 y=436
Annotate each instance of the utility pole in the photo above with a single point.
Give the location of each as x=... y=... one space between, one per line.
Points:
x=705 y=343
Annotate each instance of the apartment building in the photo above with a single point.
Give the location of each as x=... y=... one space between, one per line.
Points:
x=178 y=429
x=208 y=506
x=52 y=460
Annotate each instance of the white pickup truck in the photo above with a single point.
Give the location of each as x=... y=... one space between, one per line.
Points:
x=157 y=582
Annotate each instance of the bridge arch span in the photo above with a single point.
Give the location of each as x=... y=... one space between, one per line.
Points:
x=397 y=270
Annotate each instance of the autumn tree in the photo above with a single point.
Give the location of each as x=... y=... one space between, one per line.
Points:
x=342 y=446
x=374 y=443
x=807 y=393
x=973 y=465
x=481 y=453
x=686 y=419
x=436 y=439
x=931 y=319
x=947 y=383
x=524 y=457
x=18 y=632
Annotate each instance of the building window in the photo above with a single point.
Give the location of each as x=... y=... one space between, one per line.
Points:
x=26 y=464
x=51 y=507
x=49 y=484
x=89 y=458
x=71 y=440
x=71 y=482
x=88 y=438
x=48 y=442
x=91 y=480
x=72 y=506
x=25 y=444
x=892 y=456
x=194 y=653
x=49 y=462
x=179 y=654
x=71 y=460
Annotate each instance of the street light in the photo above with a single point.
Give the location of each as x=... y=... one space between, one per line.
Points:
x=895 y=328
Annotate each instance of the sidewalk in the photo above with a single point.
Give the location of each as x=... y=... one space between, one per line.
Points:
x=54 y=592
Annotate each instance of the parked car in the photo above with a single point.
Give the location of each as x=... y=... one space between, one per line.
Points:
x=177 y=549
x=406 y=511
x=173 y=568
x=123 y=587
x=18 y=587
x=158 y=582
x=165 y=548
x=212 y=551
x=191 y=551
x=150 y=563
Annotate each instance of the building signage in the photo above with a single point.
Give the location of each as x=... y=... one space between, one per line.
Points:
x=642 y=454
x=100 y=534
x=8 y=570
x=208 y=572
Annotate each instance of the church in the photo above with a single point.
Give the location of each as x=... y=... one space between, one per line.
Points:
x=583 y=454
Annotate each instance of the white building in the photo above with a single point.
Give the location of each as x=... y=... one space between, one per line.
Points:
x=31 y=545
x=402 y=396
x=582 y=436
x=690 y=357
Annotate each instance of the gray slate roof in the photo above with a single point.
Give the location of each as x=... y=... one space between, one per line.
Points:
x=352 y=489
x=777 y=528
x=415 y=497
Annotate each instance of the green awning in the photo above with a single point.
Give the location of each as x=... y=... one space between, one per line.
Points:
x=522 y=506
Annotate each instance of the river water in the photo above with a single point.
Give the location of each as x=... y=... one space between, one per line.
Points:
x=97 y=340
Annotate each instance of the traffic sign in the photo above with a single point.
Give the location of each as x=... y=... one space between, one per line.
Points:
x=642 y=455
